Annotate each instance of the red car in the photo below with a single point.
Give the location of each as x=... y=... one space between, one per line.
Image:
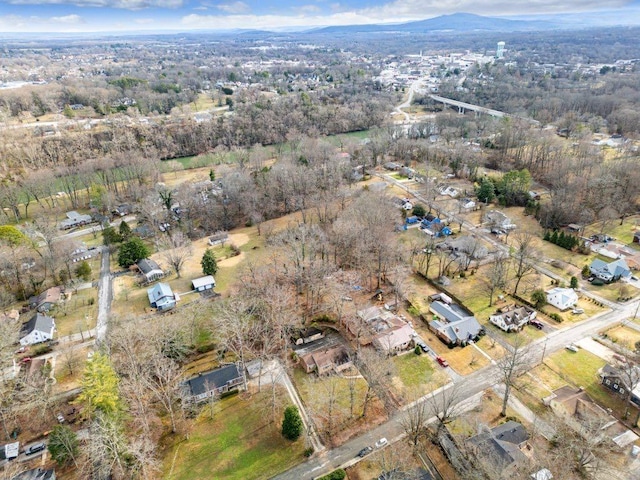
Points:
x=443 y=362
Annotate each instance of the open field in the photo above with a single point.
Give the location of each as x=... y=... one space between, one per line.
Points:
x=238 y=443
x=625 y=336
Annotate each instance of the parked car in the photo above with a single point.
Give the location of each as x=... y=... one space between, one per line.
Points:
x=423 y=346
x=60 y=417
x=365 y=451
x=537 y=323
x=381 y=443
x=577 y=311
x=35 y=448
x=442 y=361
x=572 y=348
x=25 y=360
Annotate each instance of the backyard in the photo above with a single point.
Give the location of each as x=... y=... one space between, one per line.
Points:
x=238 y=443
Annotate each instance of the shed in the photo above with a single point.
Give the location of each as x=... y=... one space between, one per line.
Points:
x=203 y=283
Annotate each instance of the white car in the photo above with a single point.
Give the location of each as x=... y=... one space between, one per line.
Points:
x=381 y=443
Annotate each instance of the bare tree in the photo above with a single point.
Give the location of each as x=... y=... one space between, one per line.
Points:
x=444 y=405
x=177 y=250
x=414 y=419
x=514 y=363
x=496 y=278
x=524 y=257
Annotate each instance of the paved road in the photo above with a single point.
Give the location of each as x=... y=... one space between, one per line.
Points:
x=407 y=103
x=105 y=296
x=470 y=386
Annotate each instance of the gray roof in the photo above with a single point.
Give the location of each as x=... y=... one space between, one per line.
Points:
x=203 y=281
x=38 y=322
x=500 y=445
x=205 y=382
x=617 y=268
x=147 y=265
x=445 y=311
x=460 y=331
x=35 y=474
x=158 y=292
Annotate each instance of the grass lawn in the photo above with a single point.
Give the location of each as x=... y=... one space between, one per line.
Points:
x=625 y=336
x=239 y=443
x=581 y=370
x=590 y=309
x=465 y=360
x=486 y=413
x=622 y=233
x=77 y=314
x=416 y=374
x=609 y=291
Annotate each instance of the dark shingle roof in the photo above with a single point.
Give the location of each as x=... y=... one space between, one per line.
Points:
x=213 y=379
x=38 y=322
x=146 y=265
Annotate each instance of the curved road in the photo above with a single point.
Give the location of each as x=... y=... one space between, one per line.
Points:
x=105 y=296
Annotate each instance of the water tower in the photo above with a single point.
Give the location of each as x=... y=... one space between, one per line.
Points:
x=500 y=50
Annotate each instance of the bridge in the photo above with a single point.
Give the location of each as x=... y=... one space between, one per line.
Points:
x=463 y=107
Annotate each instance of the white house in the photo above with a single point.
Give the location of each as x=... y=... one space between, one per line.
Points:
x=562 y=298
x=203 y=283
x=512 y=319
x=37 y=330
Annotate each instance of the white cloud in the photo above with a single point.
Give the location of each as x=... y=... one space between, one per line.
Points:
x=234 y=8
x=33 y=23
x=124 y=4
x=68 y=19
x=307 y=9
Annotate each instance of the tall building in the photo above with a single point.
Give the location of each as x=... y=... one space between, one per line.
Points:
x=500 y=50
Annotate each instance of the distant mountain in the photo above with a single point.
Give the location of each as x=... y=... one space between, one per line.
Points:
x=457 y=22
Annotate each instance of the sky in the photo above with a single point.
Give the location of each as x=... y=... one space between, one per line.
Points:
x=135 y=16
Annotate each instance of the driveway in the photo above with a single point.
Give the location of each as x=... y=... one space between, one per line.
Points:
x=599 y=350
x=105 y=295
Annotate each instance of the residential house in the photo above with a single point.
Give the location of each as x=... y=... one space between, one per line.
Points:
x=326 y=360
x=467 y=203
x=143 y=231
x=214 y=382
x=161 y=297
x=36 y=474
x=395 y=339
x=562 y=298
x=203 y=283
x=499 y=220
x=123 y=210
x=83 y=253
x=512 y=318
x=392 y=166
x=38 y=329
x=150 y=270
x=75 y=219
x=454 y=326
x=449 y=191
x=610 y=272
x=586 y=417
x=502 y=447
x=621 y=379
x=306 y=335
x=47 y=299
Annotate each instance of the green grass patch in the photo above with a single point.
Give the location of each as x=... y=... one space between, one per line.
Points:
x=580 y=369
x=239 y=443
x=414 y=370
x=77 y=313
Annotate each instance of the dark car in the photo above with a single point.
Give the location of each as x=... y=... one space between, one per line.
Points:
x=423 y=346
x=365 y=451
x=35 y=448
x=536 y=323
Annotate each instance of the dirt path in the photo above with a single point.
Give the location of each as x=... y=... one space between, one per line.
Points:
x=230 y=262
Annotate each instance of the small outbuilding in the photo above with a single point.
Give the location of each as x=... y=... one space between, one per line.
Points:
x=203 y=283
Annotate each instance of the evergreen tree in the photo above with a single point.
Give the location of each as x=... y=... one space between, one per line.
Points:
x=131 y=251
x=486 y=191
x=554 y=237
x=539 y=298
x=292 y=425
x=124 y=230
x=209 y=263
x=63 y=445
x=574 y=282
x=212 y=175
x=547 y=236
x=100 y=386
x=110 y=236
x=83 y=271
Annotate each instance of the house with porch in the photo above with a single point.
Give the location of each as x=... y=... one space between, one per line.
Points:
x=149 y=270
x=453 y=325
x=38 y=329
x=161 y=297
x=610 y=272
x=512 y=318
